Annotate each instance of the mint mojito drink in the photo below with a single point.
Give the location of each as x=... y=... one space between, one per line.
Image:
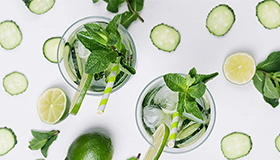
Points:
x=159 y=104
x=75 y=56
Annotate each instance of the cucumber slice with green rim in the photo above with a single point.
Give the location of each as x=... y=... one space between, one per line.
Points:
x=8 y=140
x=236 y=145
x=39 y=6
x=165 y=37
x=10 y=35
x=277 y=142
x=50 y=49
x=66 y=60
x=188 y=133
x=268 y=13
x=220 y=20
x=15 y=83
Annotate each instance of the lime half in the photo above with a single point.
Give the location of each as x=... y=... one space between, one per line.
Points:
x=239 y=68
x=160 y=138
x=53 y=106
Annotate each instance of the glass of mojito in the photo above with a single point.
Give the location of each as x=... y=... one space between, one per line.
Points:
x=157 y=104
x=75 y=55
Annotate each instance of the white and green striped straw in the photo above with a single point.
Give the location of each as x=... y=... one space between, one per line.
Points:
x=174 y=130
x=108 y=89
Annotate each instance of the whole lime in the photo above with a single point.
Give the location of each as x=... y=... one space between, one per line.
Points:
x=91 y=146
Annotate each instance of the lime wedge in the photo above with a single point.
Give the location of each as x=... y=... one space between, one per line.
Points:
x=160 y=138
x=53 y=106
x=239 y=68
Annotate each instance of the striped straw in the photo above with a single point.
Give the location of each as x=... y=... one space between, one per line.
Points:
x=108 y=89
x=173 y=132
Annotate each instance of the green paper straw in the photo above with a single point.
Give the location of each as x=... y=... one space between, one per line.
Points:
x=108 y=89
x=174 y=130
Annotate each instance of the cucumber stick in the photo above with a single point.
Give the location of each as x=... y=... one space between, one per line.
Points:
x=277 y=142
x=80 y=94
x=236 y=145
x=268 y=13
x=8 y=140
x=10 y=35
x=165 y=37
x=39 y=6
x=15 y=83
x=220 y=20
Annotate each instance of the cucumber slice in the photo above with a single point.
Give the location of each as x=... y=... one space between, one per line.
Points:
x=10 y=35
x=188 y=133
x=268 y=13
x=277 y=142
x=39 y=6
x=165 y=37
x=66 y=60
x=8 y=140
x=220 y=20
x=50 y=48
x=236 y=145
x=15 y=83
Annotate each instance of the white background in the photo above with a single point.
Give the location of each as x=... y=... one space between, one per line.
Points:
x=239 y=108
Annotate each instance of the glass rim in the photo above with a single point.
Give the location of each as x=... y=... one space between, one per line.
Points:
x=196 y=144
x=94 y=93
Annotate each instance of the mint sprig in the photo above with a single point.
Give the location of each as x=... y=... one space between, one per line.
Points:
x=134 y=7
x=267 y=78
x=43 y=140
x=189 y=89
x=106 y=47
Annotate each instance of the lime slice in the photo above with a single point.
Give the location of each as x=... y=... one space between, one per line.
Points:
x=239 y=68
x=53 y=106
x=159 y=140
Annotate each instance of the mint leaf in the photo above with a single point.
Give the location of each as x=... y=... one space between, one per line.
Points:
x=136 y=5
x=271 y=64
x=189 y=80
x=276 y=74
x=95 y=1
x=181 y=102
x=269 y=90
x=36 y=143
x=88 y=42
x=175 y=82
x=128 y=18
x=207 y=77
x=45 y=148
x=197 y=90
x=97 y=32
x=113 y=25
x=113 y=5
x=115 y=40
x=258 y=80
x=192 y=108
x=42 y=135
x=98 y=61
x=273 y=102
x=193 y=72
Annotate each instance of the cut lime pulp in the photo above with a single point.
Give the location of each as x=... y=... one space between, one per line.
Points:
x=159 y=140
x=53 y=106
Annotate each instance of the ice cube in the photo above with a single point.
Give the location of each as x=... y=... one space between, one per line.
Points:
x=152 y=116
x=166 y=98
x=81 y=50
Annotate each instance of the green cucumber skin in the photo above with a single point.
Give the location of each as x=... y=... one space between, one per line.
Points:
x=19 y=31
x=171 y=28
x=231 y=23
x=15 y=138
x=27 y=2
x=251 y=144
x=257 y=7
x=190 y=136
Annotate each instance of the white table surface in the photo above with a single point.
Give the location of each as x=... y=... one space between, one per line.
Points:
x=239 y=108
